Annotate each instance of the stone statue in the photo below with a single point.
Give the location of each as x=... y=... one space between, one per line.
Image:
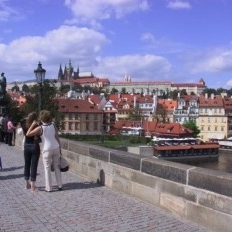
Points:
x=2 y=86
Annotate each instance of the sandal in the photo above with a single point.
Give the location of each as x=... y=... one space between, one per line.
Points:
x=34 y=188
x=28 y=186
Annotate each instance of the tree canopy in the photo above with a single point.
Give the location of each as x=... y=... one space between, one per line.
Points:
x=192 y=126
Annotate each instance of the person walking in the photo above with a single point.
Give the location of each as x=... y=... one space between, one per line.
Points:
x=10 y=131
x=31 y=153
x=50 y=148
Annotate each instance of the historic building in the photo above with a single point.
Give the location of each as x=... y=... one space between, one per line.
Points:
x=212 y=119
x=187 y=109
x=80 y=116
x=158 y=88
x=146 y=87
x=68 y=76
x=196 y=88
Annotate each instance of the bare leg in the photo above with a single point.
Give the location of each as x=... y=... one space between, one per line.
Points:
x=28 y=185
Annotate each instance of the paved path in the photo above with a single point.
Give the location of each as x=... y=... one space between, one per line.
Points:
x=82 y=206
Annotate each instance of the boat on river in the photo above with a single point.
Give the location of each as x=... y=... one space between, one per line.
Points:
x=184 y=149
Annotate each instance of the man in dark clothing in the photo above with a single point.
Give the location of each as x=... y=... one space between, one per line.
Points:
x=4 y=128
x=1 y=133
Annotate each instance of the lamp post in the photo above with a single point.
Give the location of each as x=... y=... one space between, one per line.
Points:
x=40 y=76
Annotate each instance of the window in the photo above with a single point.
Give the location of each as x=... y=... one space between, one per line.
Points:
x=208 y=128
x=222 y=128
x=87 y=126
x=209 y=120
x=215 y=128
x=77 y=126
x=95 y=117
x=76 y=116
x=95 y=126
x=70 y=126
x=87 y=116
x=70 y=116
x=202 y=128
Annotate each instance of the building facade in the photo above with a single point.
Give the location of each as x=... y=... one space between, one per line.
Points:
x=212 y=119
x=80 y=116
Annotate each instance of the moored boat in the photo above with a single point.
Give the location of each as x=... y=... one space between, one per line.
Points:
x=185 y=149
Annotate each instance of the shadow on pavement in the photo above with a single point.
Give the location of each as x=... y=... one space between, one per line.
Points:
x=82 y=185
x=13 y=176
x=11 y=169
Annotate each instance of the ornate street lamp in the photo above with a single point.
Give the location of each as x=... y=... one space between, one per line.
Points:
x=40 y=76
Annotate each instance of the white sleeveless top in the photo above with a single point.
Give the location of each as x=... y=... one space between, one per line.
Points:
x=49 y=141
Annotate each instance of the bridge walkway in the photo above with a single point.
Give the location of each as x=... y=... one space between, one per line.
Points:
x=81 y=206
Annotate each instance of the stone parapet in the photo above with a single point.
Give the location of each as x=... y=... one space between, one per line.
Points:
x=197 y=194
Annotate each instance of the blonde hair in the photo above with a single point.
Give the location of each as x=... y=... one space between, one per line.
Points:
x=45 y=116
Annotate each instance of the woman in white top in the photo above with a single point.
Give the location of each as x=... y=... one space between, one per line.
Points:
x=50 y=148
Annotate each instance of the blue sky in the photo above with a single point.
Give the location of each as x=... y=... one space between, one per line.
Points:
x=150 y=40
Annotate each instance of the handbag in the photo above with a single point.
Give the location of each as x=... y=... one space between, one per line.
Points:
x=64 y=166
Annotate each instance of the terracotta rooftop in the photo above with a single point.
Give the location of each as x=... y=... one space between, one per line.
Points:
x=77 y=105
x=212 y=101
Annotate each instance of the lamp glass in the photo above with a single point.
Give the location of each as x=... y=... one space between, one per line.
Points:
x=40 y=74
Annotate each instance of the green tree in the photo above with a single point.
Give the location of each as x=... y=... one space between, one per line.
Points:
x=15 y=88
x=13 y=109
x=25 y=88
x=209 y=91
x=192 y=126
x=173 y=94
x=48 y=101
x=183 y=92
x=135 y=114
x=114 y=90
x=161 y=113
x=123 y=90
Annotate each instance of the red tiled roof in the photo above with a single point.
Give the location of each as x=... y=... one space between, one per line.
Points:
x=163 y=148
x=77 y=105
x=169 y=104
x=94 y=98
x=227 y=103
x=216 y=101
x=159 y=129
x=200 y=146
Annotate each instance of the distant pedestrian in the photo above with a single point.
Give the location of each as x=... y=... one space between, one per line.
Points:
x=50 y=148
x=10 y=131
x=1 y=127
x=31 y=153
x=4 y=128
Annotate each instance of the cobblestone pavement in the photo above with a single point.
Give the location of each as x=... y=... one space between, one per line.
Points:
x=81 y=206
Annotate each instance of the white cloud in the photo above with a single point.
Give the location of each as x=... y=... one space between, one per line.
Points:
x=20 y=57
x=95 y=10
x=213 y=61
x=162 y=45
x=8 y=13
x=83 y=47
x=139 y=67
x=178 y=4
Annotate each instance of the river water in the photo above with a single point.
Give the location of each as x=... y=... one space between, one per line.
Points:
x=224 y=162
